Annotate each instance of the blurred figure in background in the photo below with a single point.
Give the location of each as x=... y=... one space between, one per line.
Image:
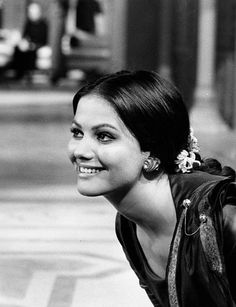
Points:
x=34 y=36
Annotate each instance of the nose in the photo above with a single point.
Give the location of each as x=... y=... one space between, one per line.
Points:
x=80 y=149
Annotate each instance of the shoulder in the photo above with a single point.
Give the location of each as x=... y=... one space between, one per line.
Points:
x=184 y=186
x=229 y=234
x=228 y=199
x=195 y=178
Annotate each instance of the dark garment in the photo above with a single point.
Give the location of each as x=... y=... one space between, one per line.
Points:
x=24 y=61
x=155 y=286
x=36 y=32
x=201 y=268
x=85 y=13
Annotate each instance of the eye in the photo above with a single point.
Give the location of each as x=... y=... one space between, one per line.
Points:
x=105 y=137
x=77 y=133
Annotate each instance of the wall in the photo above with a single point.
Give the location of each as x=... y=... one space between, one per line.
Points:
x=143 y=21
x=164 y=33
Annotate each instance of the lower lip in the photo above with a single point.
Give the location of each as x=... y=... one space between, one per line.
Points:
x=83 y=175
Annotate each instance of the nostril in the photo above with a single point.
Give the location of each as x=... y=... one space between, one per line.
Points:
x=83 y=155
x=81 y=149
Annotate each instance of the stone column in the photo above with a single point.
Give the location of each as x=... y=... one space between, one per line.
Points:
x=70 y=22
x=234 y=88
x=118 y=16
x=165 y=40
x=59 y=10
x=205 y=115
x=206 y=49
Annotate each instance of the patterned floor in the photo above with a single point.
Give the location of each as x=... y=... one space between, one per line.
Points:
x=55 y=280
x=58 y=253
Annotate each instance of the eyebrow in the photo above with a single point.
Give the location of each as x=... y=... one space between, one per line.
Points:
x=105 y=125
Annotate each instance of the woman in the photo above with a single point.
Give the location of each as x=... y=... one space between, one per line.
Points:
x=132 y=143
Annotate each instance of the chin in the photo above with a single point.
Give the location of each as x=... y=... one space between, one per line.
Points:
x=88 y=192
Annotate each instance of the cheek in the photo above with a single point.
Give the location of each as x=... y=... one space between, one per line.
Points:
x=122 y=159
x=70 y=149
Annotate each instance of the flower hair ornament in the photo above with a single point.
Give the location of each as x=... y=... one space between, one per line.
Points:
x=187 y=158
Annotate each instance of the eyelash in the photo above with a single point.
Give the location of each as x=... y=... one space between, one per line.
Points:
x=106 y=135
x=79 y=134
x=75 y=132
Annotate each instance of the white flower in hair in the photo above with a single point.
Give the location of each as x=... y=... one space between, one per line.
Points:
x=185 y=161
x=193 y=142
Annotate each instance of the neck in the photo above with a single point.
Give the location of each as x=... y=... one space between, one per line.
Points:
x=149 y=204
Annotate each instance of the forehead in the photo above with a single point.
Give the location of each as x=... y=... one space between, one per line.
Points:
x=96 y=109
x=93 y=110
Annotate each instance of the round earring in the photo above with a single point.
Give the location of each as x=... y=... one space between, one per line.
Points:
x=151 y=164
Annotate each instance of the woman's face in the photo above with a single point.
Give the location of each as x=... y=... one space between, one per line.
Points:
x=107 y=157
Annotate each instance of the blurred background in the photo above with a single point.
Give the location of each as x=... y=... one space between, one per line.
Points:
x=57 y=248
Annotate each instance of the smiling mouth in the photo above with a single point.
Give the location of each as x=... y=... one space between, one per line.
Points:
x=88 y=170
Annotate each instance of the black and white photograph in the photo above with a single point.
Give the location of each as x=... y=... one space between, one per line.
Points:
x=118 y=153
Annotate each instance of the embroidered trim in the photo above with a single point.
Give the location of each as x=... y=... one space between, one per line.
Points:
x=172 y=289
x=207 y=235
x=210 y=246
x=209 y=239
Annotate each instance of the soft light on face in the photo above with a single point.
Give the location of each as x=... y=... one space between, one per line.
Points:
x=107 y=157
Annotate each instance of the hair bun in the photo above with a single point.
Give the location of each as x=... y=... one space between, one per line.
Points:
x=229 y=172
x=213 y=166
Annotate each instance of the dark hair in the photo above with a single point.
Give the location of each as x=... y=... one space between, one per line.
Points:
x=213 y=166
x=151 y=108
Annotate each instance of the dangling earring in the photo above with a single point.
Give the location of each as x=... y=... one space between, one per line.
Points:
x=151 y=164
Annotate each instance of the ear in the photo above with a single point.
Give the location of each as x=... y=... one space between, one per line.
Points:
x=146 y=154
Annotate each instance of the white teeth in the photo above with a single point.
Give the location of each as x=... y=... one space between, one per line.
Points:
x=87 y=170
